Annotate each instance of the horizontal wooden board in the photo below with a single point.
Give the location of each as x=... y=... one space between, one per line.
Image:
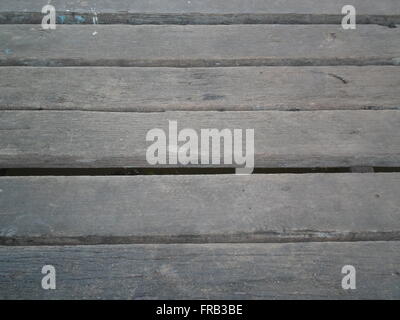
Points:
x=201 y=12
x=388 y=7
x=218 y=271
x=162 y=89
x=198 y=46
x=204 y=208
x=84 y=139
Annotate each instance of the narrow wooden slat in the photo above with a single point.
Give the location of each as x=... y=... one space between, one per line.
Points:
x=205 y=208
x=218 y=271
x=162 y=89
x=282 y=139
x=201 y=12
x=198 y=46
x=388 y=7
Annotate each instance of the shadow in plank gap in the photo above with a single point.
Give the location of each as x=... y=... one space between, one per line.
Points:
x=178 y=171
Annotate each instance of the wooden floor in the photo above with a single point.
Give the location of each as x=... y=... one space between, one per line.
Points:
x=76 y=191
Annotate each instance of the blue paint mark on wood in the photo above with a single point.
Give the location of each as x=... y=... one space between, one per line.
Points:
x=79 y=19
x=61 y=19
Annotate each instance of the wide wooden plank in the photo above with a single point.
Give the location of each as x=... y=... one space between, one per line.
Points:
x=198 y=46
x=118 y=139
x=218 y=271
x=203 y=208
x=162 y=89
x=201 y=12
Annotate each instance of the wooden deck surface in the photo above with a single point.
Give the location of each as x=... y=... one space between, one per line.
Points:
x=203 y=271
x=324 y=102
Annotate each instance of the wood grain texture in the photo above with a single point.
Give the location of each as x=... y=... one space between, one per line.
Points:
x=198 y=46
x=281 y=139
x=201 y=12
x=205 y=208
x=218 y=271
x=163 y=89
x=388 y=7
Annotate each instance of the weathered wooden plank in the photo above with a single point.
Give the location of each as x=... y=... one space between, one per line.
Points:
x=162 y=89
x=201 y=12
x=83 y=139
x=218 y=271
x=198 y=46
x=204 y=208
x=388 y=7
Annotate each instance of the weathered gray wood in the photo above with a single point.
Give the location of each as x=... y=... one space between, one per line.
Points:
x=204 y=208
x=198 y=46
x=218 y=271
x=201 y=12
x=388 y=7
x=161 y=89
x=282 y=139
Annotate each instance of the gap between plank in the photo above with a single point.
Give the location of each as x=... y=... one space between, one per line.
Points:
x=256 y=237
x=211 y=108
x=180 y=171
x=198 y=63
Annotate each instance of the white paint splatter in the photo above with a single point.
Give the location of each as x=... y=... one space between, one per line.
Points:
x=8 y=232
x=95 y=19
